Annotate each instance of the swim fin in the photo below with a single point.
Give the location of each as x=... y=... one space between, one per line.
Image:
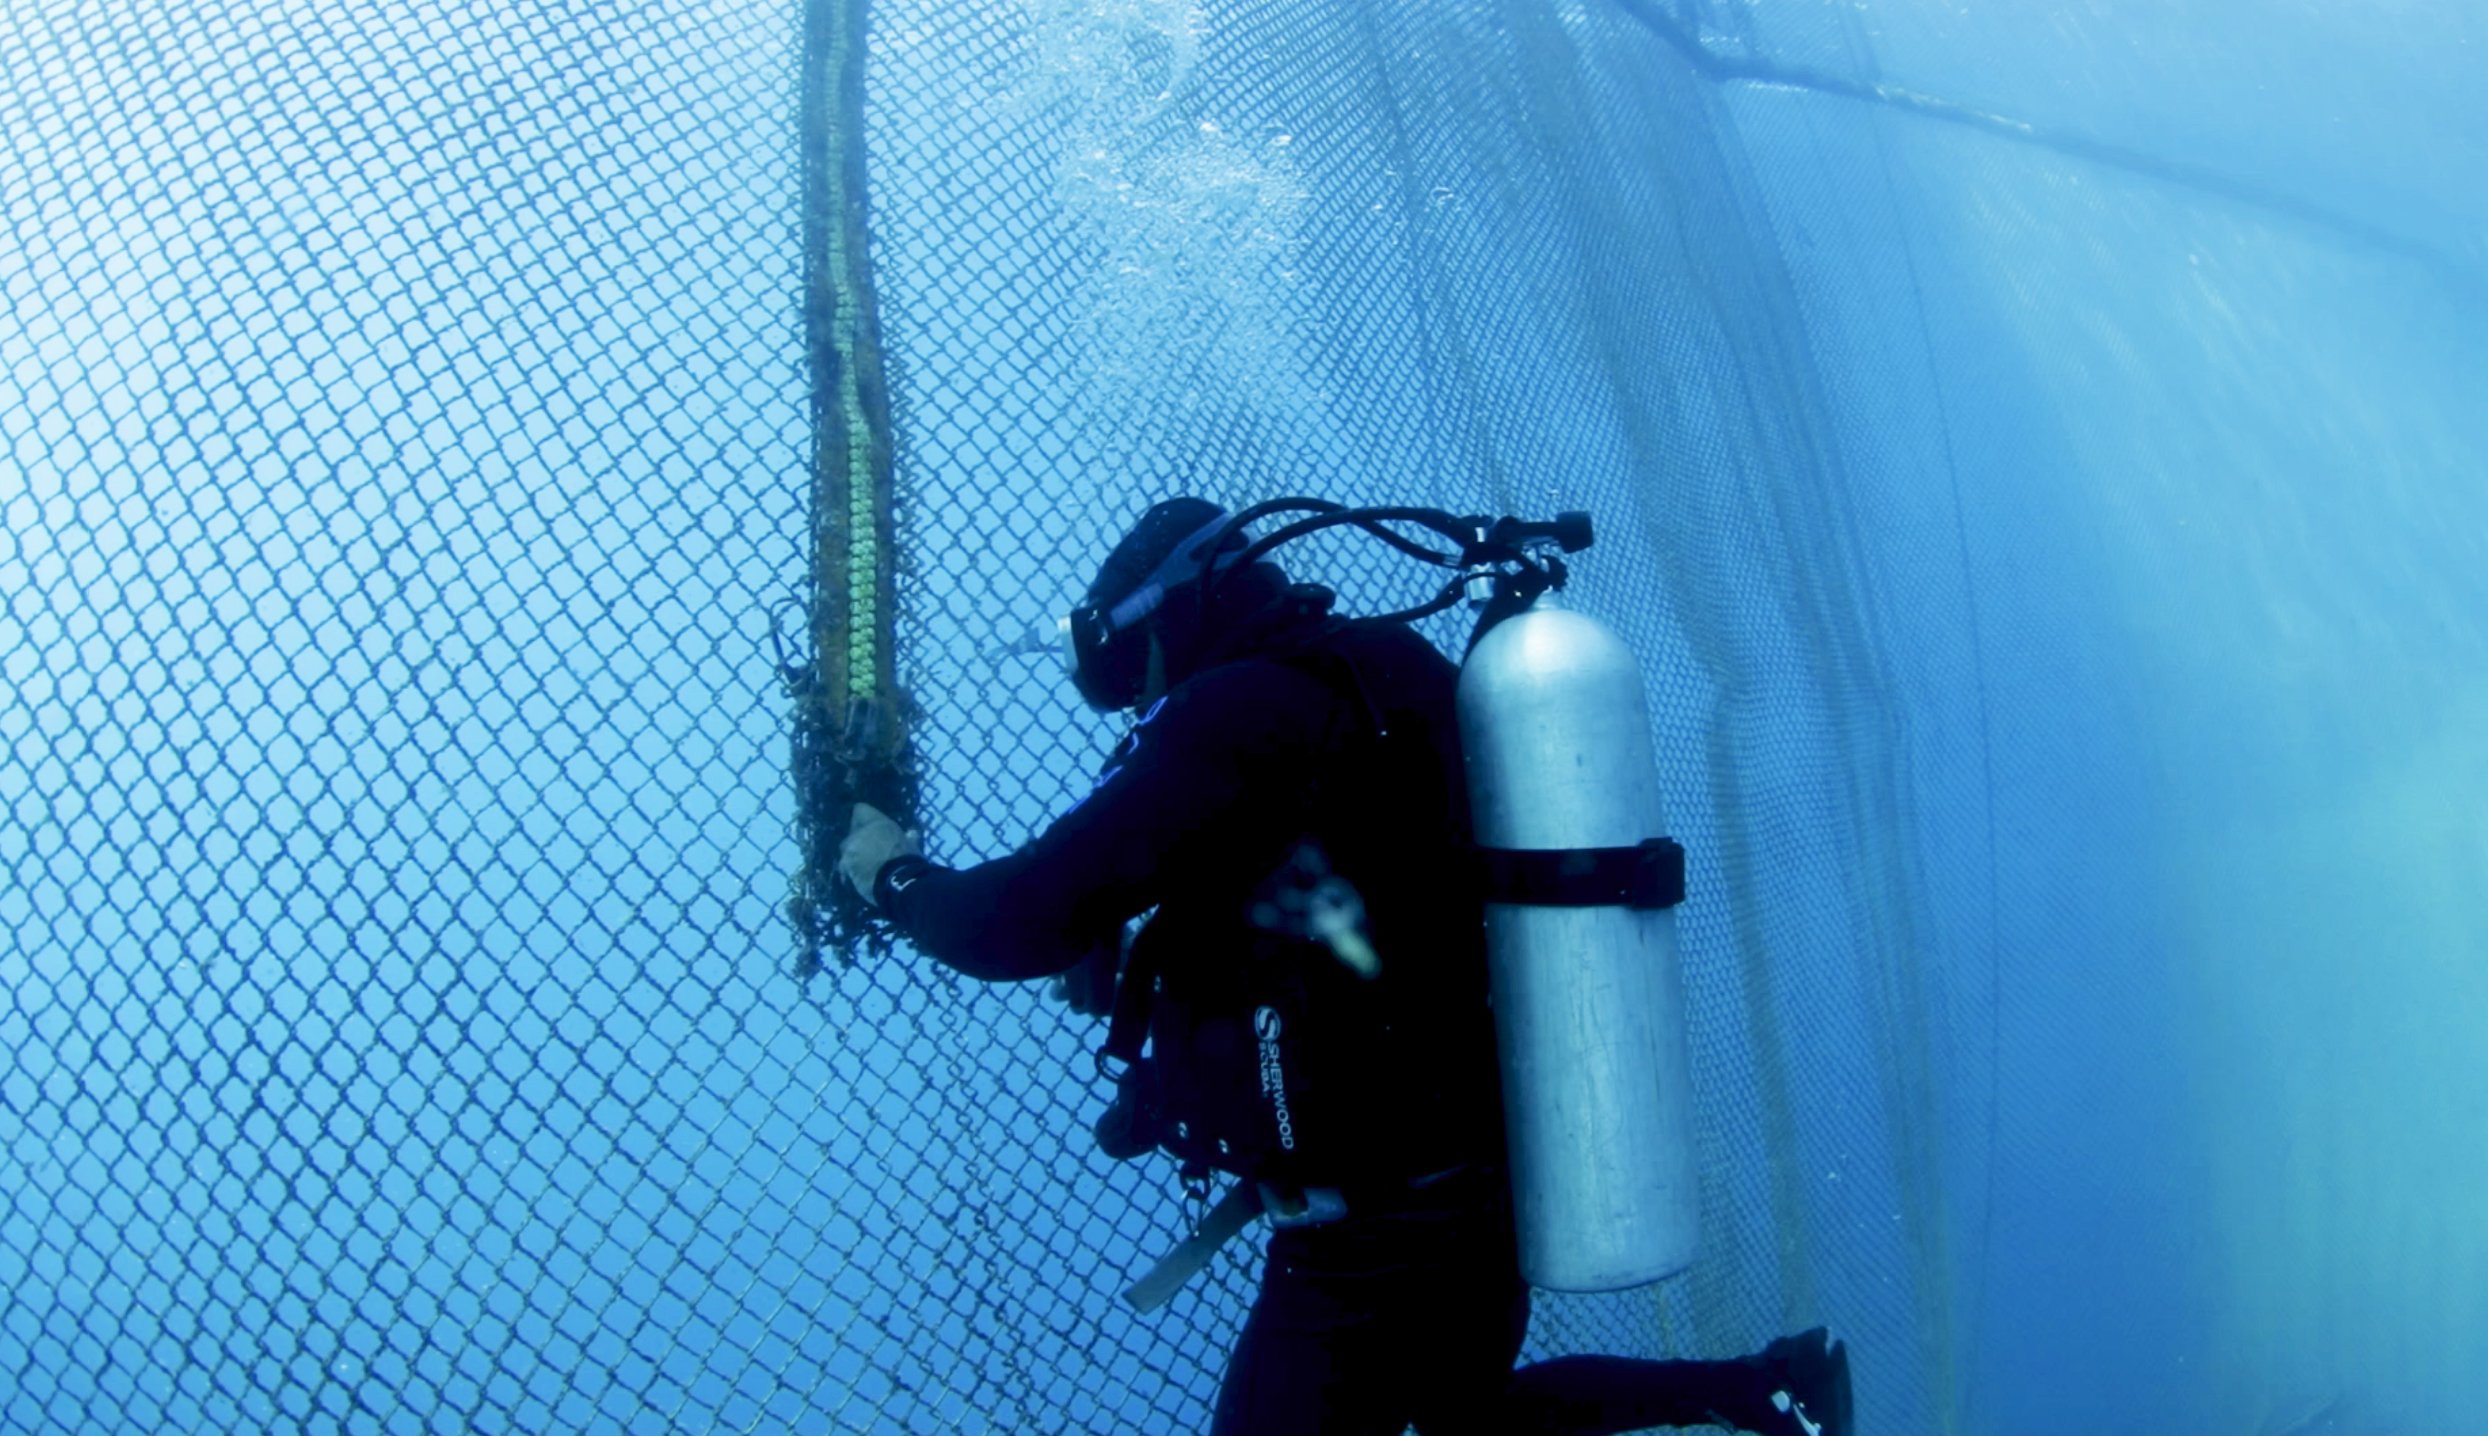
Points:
x=1809 y=1385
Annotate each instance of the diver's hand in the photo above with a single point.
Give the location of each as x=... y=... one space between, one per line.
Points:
x=873 y=838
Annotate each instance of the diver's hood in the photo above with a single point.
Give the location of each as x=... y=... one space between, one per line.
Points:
x=1256 y=611
x=1150 y=586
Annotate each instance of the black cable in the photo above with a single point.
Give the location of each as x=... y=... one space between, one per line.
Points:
x=1471 y=534
x=1327 y=514
x=1443 y=600
x=1371 y=520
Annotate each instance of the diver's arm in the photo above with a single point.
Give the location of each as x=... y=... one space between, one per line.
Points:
x=1211 y=776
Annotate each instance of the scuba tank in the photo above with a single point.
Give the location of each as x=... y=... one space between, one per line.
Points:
x=1588 y=999
x=1565 y=805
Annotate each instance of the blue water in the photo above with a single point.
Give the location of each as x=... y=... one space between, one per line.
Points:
x=2038 y=458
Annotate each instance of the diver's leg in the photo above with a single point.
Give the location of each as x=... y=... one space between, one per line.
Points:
x=1798 y=1386
x=1304 y=1364
x=1460 y=1365
x=1411 y=1315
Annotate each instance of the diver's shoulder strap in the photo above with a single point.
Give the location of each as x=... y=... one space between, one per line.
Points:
x=1127 y=1024
x=1327 y=663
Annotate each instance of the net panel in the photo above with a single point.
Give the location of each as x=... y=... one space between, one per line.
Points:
x=445 y=603
x=1133 y=249
x=2130 y=447
x=408 y=433
x=400 y=404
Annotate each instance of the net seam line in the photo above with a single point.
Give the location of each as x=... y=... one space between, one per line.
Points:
x=1722 y=69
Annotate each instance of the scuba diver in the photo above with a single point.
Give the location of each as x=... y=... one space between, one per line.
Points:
x=1289 y=810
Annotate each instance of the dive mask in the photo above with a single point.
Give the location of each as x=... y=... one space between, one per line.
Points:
x=1106 y=642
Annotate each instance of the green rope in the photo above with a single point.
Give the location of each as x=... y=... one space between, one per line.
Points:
x=840 y=68
x=849 y=741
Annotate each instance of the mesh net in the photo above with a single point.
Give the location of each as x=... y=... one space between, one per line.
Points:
x=410 y=434
x=1123 y=251
x=400 y=415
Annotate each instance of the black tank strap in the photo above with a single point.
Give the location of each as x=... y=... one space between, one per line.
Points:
x=1648 y=877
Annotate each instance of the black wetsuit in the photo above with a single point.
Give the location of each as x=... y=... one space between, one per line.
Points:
x=1411 y=1309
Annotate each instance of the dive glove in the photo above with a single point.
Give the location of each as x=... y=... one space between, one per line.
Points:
x=873 y=838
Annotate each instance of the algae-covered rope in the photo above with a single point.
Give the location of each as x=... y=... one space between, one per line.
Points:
x=849 y=741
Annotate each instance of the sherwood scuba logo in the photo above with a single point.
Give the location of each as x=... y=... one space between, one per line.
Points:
x=1273 y=1080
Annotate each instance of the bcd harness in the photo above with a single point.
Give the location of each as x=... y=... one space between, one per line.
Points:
x=1318 y=918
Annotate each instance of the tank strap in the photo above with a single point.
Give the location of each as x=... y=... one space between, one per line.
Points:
x=1647 y=877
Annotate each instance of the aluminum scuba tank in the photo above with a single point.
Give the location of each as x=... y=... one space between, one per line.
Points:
x=1588 y=998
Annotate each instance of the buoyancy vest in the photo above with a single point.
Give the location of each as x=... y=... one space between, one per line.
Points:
x=1323 y=1020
